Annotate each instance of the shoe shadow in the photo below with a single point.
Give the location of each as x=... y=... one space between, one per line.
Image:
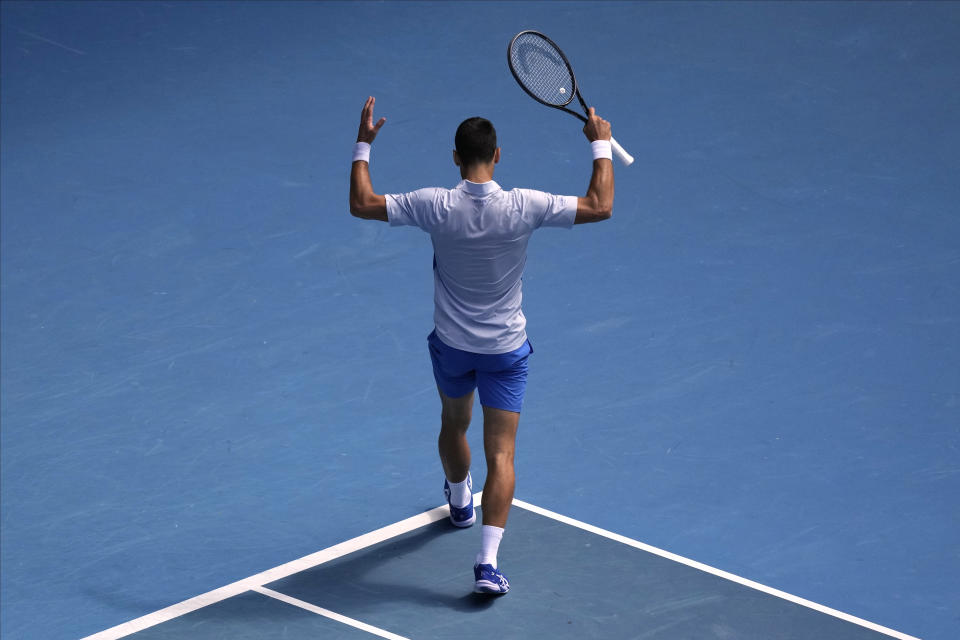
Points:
x=428 y=568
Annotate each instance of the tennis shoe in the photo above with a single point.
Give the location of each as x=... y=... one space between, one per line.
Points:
x=461 y=516
x=489 y=580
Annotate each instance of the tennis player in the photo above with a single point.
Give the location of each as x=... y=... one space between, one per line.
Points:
x=479 y=342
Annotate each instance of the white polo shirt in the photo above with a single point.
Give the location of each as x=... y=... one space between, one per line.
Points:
x=480 y=235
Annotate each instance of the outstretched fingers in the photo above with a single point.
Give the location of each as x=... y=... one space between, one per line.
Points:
x=368 y=130
x=367 y=114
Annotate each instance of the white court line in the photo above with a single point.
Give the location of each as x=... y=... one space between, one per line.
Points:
x=256 y=582
x=271 y=575
x=363 y=626
x=711 y=570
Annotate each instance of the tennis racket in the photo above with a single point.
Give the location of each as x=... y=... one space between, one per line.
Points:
x=541 y=69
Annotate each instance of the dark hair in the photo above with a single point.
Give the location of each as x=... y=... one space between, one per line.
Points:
x=476 y=141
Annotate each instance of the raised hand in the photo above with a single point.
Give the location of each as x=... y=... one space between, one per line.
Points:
x=368 y=131
x=596 y=127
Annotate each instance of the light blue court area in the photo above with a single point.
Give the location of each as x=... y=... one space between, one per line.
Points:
x=209 y=369
x=415 y=584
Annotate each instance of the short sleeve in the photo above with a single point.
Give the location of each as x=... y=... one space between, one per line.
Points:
x=416 y=208
x=542 y=209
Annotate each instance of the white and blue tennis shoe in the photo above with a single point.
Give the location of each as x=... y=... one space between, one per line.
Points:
x=489 y=580
x=461 y=516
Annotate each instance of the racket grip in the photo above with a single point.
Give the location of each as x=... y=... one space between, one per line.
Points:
x=621 y=153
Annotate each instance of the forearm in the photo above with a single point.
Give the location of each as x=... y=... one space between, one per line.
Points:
x=361 y=187
x=597 y=204
x=364 y=202
x=600 y=190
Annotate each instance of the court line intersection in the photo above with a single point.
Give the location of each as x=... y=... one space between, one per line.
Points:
x=256 y=583
x=363 y=626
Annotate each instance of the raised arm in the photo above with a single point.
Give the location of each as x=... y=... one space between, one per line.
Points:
x=364 y=203
x=597 y=205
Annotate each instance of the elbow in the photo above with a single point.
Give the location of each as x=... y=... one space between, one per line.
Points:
x=600 y=206
x=369 y=207
x=359 y=202
x=593 y=209
x=358 y=208
x=364 y=210
x=603 y=211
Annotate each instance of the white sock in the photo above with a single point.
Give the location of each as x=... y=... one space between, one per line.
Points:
x=489 y=544
x=460 y=495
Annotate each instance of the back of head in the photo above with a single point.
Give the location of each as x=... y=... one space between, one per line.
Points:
x=476 y=141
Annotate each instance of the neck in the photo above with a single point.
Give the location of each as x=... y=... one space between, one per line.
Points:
x=477 y=173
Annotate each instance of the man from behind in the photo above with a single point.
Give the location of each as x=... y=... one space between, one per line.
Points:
x=479 y=343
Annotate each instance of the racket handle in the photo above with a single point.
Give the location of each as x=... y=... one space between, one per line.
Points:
x=621 y=153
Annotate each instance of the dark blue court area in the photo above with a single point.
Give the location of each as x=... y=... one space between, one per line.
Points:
x=218 y=417
x=417 y=585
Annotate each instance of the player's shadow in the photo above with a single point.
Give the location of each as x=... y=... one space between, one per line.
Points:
x=427 y=568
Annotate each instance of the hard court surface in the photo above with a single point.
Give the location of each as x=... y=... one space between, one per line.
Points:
x=218 y=414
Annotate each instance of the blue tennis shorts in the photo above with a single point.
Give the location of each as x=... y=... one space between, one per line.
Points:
x=500 y=378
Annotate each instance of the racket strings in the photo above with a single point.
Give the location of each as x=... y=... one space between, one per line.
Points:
x=541 y=69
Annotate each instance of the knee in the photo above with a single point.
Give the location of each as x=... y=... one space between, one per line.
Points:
x=456 y=423
x=499 y=458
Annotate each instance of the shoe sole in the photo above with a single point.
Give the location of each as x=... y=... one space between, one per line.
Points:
x=485 y=586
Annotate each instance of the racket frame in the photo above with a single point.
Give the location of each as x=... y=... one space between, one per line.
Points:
x=618 y=150
x=575 y=89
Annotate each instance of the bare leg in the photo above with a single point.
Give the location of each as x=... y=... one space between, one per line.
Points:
x=452 y=443
x=499 y=444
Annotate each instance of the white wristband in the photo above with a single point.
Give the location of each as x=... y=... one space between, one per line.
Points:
x=601 y=149
x=361 y=151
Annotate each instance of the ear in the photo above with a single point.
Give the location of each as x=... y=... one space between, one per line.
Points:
x=496 y=156
x=456 y=158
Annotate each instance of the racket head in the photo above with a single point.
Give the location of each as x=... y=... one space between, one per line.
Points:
x=542 y=70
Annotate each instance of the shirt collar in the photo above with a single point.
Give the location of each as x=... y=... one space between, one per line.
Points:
x=479 y=188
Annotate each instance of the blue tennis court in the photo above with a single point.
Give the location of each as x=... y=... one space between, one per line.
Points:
x=218 y=413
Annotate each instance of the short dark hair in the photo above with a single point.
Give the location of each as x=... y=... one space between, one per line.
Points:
x=476 y=141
